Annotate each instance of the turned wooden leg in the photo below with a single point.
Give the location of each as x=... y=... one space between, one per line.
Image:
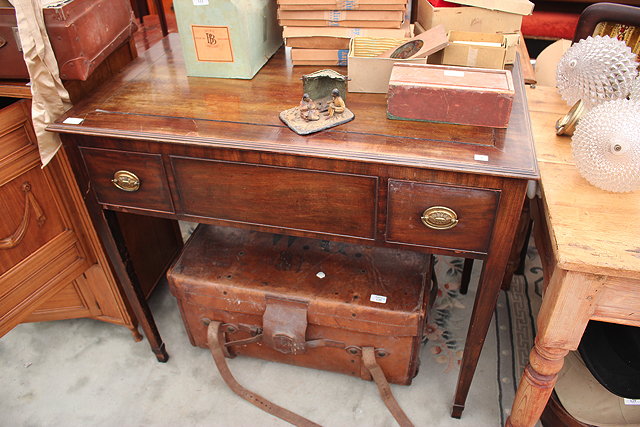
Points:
x=567 y=306
x=536 y=385
x=137 y=337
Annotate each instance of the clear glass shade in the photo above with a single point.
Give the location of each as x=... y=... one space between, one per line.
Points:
x=606 y=146
x=596 y=69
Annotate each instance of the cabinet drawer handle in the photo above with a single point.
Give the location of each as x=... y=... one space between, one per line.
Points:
x=126 y=181
x=439 y=218
x=29 y=201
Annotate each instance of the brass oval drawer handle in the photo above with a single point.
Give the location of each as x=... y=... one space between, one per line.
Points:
x=439 y=218
x=126 y=181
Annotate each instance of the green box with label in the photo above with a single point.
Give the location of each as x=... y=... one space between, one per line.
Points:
x=227 y=38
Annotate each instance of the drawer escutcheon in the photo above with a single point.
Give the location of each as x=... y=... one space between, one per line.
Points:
x=126 y=181
x=439 y=218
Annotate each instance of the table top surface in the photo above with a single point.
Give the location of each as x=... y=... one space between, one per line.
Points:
x=154 y=99
x=592 y=230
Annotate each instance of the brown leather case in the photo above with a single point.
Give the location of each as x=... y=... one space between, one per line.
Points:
x=82 y=33
x=13 y=66
x=310 y=299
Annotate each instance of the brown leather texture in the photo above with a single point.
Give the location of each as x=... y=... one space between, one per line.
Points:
x=82 y=32
x=274 y=285
x=13 y=65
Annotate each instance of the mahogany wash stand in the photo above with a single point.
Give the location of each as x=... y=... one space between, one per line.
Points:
x=214 y=151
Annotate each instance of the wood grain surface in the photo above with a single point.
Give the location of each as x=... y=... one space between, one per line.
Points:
x=594 y=231
x=588 y=240
x=140 y=103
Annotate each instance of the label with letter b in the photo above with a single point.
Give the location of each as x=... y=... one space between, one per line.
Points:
x=213 y=44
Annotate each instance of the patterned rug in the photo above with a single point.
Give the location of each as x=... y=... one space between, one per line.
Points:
x=513 y=326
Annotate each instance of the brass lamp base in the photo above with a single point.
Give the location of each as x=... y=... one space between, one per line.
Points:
x=566 y=124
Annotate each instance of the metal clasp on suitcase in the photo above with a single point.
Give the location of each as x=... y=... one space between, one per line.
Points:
x=284 y=329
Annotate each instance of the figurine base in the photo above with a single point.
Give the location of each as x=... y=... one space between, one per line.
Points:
x=291 y=118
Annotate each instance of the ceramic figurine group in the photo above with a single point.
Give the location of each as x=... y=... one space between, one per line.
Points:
x=309 y=110
x=319 y=109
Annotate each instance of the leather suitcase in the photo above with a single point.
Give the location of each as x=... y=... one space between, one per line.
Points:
x=316 y=303
x=358 y=310
x=82 y=33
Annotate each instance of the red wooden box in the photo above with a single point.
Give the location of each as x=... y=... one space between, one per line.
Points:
x=442 y=3
x=447 y=94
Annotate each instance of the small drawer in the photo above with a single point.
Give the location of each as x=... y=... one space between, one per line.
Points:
x=127 y=179
x=441 y=216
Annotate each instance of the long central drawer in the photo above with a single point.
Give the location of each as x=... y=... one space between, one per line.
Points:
x=287 y=198
x=325 y=202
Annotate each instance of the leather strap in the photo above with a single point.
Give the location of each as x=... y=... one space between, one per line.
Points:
x=216 y=341
x=215 y=337
x=369 y=359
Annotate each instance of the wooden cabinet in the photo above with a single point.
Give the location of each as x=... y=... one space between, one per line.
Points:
x=49 y=268
x=52 y=265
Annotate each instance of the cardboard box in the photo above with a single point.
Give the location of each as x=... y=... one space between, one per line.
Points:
x=445 y=94
x=216 y=41
x=348 y=23
x=342 y=4
x=342 y=15
x=347 y=33
x=521 y=7
x=336 y=57
x=369 y=73
x=512 y=41
x=467 y=18
x=469 y=49
x=318 y=42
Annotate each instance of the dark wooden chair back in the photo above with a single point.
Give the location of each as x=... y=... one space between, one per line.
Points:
x=616 y=20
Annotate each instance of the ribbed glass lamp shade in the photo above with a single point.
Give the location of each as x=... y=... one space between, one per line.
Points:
x=606 y=146
x=635 y=89
x=596 y=69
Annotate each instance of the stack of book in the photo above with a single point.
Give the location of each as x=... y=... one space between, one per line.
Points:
x=318 y=31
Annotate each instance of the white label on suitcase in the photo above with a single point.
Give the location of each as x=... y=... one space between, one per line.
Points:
x=631 y=401
x=378 y=298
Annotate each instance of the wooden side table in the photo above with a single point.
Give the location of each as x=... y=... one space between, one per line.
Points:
x=158 y=143
x=590 y=247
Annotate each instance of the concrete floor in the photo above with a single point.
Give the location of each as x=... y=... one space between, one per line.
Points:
x=85 y=372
